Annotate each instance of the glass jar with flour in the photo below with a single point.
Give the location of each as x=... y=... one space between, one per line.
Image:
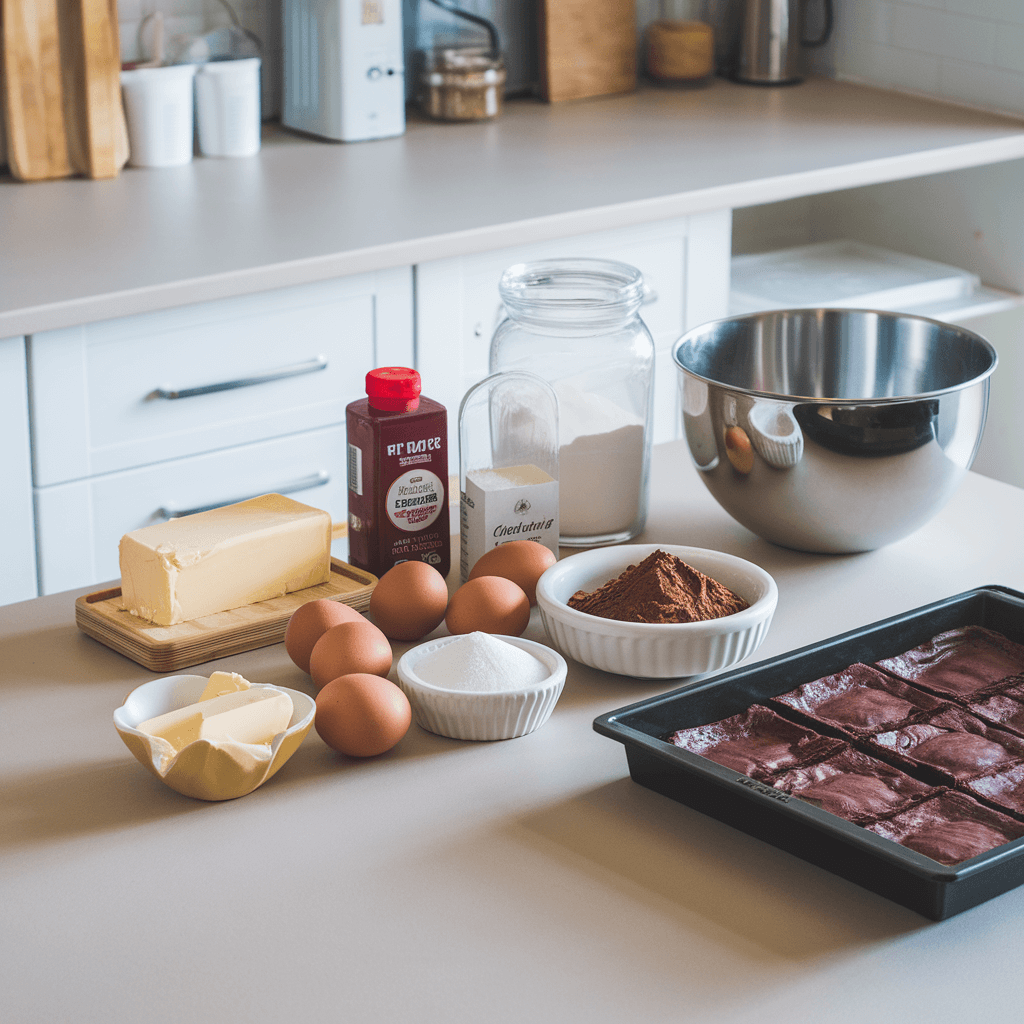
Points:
x=576 y=323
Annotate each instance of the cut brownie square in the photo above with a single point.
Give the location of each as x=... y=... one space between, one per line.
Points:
x=955 y=743
x=1002 y=710
x=960 y=662
x=854 y=786
x=758 y=742
x=860 y=701
x=949 y=828
x=1005 y=789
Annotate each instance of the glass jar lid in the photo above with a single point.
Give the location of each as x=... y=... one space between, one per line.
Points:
x=572 y=292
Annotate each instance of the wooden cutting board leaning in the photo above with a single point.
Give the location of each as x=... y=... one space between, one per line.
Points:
x=587 y=48
x=61 y=88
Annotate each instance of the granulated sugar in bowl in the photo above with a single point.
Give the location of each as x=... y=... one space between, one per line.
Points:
x=476 y=686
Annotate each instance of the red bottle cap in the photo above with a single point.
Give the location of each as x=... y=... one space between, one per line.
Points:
x=393 y=389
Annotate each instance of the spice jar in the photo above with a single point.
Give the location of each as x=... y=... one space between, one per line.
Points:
x=508 y=464
x=678 y=48
x=459 y=77
x=576 y=323
x=463 y=85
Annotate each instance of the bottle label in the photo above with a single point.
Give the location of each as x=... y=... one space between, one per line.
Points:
x=500 y=505
x=414 y=500
x=355 y=469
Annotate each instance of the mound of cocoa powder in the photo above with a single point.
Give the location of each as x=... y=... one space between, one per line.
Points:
x=661 y=588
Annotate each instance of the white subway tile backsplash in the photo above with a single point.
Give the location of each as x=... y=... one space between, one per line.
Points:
x=944 y=35
x=870 y=20
x=1010 y=11
x=968 y=51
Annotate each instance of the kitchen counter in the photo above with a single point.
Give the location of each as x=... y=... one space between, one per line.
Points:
x=76 y=251
x=528 y=880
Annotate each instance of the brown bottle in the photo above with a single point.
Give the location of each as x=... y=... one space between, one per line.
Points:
x=397 y=475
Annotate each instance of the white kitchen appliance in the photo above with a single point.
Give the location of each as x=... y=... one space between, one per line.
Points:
x=344 y=75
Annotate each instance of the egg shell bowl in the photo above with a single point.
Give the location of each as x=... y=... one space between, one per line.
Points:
x=204 y=770
x=655 y=650
x=478 y=714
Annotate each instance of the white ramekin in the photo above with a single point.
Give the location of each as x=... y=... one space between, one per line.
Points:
x=655 y=650
x=478 y=715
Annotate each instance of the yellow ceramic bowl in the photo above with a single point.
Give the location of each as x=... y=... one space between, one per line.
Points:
x=205 y=770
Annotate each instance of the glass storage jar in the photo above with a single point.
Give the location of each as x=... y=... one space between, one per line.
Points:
x=508 y=464
x=458 y=76
x=576 y=323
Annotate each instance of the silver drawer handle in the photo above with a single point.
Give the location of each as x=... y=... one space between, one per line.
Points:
x=316 y=480
x=320 y=363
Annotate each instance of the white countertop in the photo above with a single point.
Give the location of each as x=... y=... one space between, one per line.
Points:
x=448 y=882
x=75 y=251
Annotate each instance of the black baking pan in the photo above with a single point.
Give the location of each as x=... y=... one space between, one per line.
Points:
x=876 y=863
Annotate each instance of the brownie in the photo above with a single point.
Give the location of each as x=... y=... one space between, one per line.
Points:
x=1003 y=710
x=960 y=662
x=955 y=743
x=1005 y=789
x=758 y=742
x=859 y=701
x=854 y=786
x=950 y=828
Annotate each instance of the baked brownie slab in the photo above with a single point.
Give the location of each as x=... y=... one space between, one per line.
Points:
x=854 y=786
x=954 y=743
x=758 y=742
x=860 y=701
x=959 y=663
x=949 y=828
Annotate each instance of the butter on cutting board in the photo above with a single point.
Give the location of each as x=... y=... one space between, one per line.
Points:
x=224 y=558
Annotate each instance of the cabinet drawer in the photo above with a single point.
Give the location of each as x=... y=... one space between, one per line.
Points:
x=80 y=523
x=136 y=391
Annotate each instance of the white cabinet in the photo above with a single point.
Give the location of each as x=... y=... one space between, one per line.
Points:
x=82 y=521
x=151 y=416
x=18 y=554
x=685 y=263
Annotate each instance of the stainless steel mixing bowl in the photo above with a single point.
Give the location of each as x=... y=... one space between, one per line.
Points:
x=833 y=430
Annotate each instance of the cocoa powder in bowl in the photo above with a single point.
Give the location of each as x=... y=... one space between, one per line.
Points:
x=662 y=588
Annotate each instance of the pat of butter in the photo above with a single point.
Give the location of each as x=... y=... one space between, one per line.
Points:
x=224 y=682
x=244 y=716
x=225 y=558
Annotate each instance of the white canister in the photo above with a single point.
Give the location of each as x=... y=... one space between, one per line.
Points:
x=228 y=107
x=158 y=109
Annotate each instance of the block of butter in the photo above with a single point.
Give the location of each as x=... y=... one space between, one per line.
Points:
x=224 y=558
x=244 y=716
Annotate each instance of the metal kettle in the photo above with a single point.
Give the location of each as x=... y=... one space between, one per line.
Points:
x=770 y=40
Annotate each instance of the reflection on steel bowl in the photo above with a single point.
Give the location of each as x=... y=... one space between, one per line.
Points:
x=833 y=430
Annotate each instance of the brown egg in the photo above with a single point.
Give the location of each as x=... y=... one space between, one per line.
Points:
x=521 y=561
x=362 y=714
x=349 y=647
x=409 y=600
x=739 y=450
x=309 y=622
x=490 y=604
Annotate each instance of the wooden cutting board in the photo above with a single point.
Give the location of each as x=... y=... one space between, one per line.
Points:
x=62 y=93
x=169 y=648
x=587 y=48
